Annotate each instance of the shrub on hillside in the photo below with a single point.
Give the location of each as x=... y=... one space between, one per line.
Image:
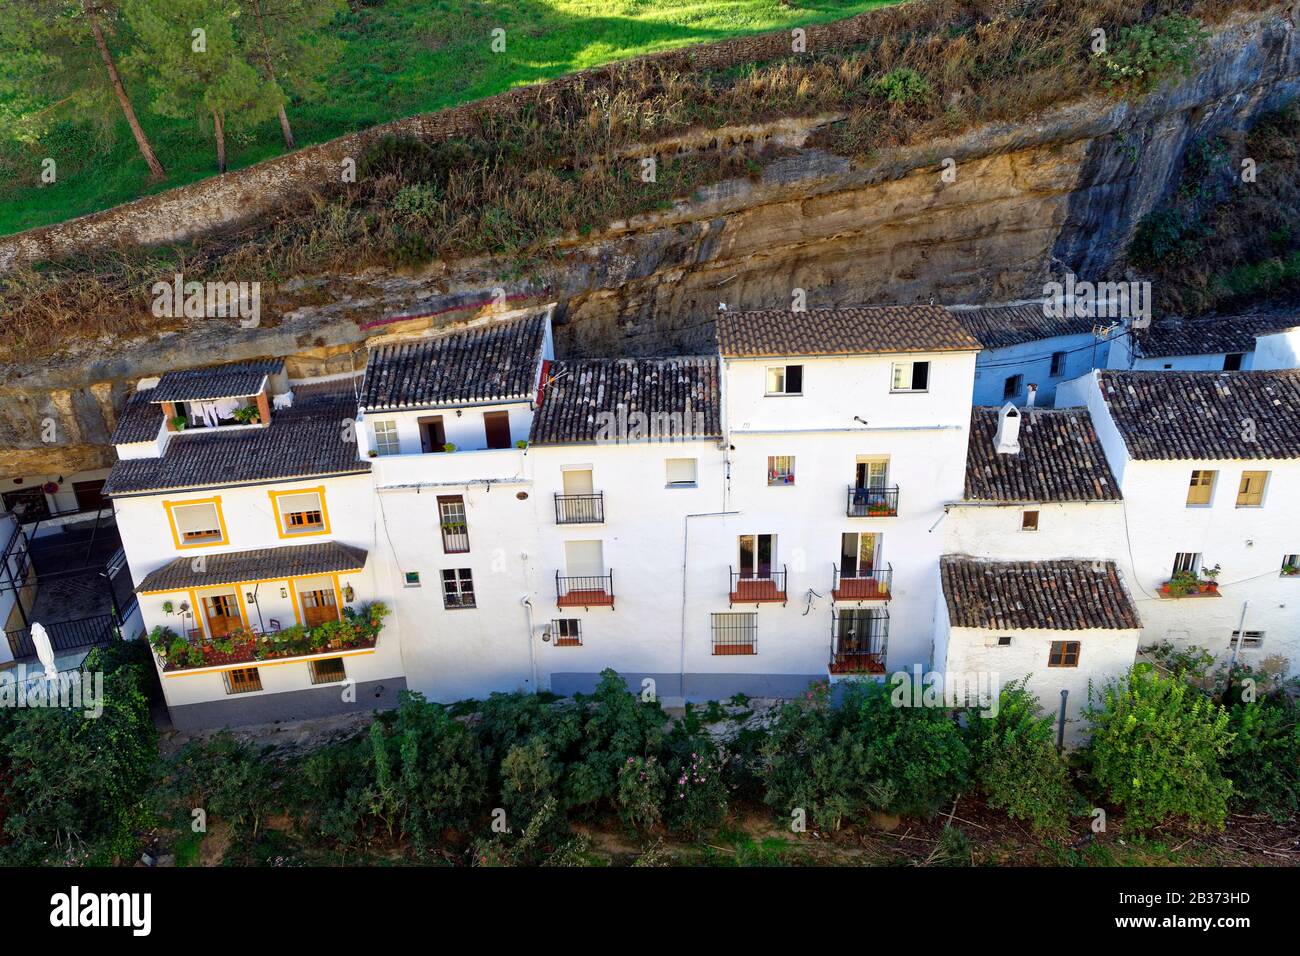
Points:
x=230 y=781
x=1144 y=54
x=1263 y=759
x=1017 y=765
x=1157 y=749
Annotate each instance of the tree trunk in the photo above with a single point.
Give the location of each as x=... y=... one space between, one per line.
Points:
x=156 y=171
x=285 y=129
x=219 y=129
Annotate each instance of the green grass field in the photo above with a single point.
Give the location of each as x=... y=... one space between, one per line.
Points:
x=400 y=57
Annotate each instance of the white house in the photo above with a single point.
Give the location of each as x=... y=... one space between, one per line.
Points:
x=240 y=521
x=1208 y=464
x=1025 y=345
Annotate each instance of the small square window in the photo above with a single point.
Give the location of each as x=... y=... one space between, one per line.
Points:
x=243 y=680
x=1029 y=521
x=911 y=377
x=785 y=380
x=328 y=670
x=1004 y=641
x=1232 y=362
x=411 y=579
x=567 y=632
x=1200 y=489
x=735 y=634
x=457 y=588
x=386 y=441
x=1063 y=654
x=1058 y=364
x=680 y=472
x=780 y=469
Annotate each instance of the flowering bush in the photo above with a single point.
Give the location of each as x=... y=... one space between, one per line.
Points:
x=697 y=796
x=640 y=794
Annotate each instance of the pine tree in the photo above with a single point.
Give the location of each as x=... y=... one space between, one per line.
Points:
x=187 y=50
x=55 y=58
x=282 y=40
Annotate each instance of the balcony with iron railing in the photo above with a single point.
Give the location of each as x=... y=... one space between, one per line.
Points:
x=859 y=641
x=455 y=537
x=872 y=502
x=862 y=584
x=590 y=590
x=580 y=509
x=760 y=586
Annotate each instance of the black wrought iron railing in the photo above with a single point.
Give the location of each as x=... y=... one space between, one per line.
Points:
x=580 y=509
x=584 y=590
x=872 y=502
x=861 y=584
x=859 y=641
x=64 y=636
x=758 y=584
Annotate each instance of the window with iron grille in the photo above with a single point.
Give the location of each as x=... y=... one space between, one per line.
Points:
x=329 y=670
x=455 y=529
x=567 y=632
x=1058 y=364
x=1248 y=640
x=735 y=634
x=457 y=588
x=1063 y=654
x=243 y=680
x=1011 y=387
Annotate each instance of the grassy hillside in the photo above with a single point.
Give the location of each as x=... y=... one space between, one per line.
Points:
x=400 y=57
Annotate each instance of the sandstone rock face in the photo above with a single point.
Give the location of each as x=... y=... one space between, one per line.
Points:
x=1062 y=192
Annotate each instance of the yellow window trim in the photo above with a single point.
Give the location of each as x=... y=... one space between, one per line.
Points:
x=176 y=535
x=279 y=518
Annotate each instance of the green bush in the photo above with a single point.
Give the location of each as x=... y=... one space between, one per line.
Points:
x=1263 y=759
x=230 y=781
x=1017 y=765
x=641 y=786
x=697 y=791
x=615 y=725
x=1157 y=747
x=1144 y=54
x=902 y=86
x=809 y=761
x=76 y=785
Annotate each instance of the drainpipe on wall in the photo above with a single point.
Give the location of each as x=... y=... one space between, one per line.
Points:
x=532 y=651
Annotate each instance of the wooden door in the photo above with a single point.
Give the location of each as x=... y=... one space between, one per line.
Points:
x=318 y=607
x=222 y=613
x=433 y=435
x=90 y=494
x=497 y=427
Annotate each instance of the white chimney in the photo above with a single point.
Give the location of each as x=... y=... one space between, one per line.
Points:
x=1007 y=439
x=1031 y=395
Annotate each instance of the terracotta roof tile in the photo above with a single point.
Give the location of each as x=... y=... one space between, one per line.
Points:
x=1185 y=416
x=1211 y=336
x=580 y=391
x=875 y=330
x=1060 y=459
x=999 y=326
x=1022 y=595
x=141 y=420
x=262 y=564
x=237 y=380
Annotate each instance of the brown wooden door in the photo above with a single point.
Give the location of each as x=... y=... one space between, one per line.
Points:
x=318 y=607
x=223 y=614
x=497 y=425
x=90 y=494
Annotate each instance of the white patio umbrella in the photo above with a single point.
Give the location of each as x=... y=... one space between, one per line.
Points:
x=44 y=651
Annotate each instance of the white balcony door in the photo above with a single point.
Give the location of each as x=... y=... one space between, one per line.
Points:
x=584 y=559
x=757 y=553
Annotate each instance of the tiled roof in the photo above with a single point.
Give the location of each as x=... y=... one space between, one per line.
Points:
x=879 y=329
x=263 y=564
x=578 y=392
x=497 y=361
x=1227 y=334
x=998 y=326
x=304 y=441
x=1060 y=459
x=1021 y=595
x=141 y=419
x=1181 y=416
x=220 y=381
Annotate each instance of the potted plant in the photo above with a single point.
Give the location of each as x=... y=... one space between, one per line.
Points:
x=372 y=453
x=1181 y=584
x=521 y=444
x=449 y=447
x=247 y=415
x=1290 y=570
x=179 y=423
x=1211 y=579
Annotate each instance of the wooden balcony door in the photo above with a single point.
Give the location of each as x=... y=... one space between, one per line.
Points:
x=433 y=435
x=496 y=425
x=222 y=614
x=318 y=607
